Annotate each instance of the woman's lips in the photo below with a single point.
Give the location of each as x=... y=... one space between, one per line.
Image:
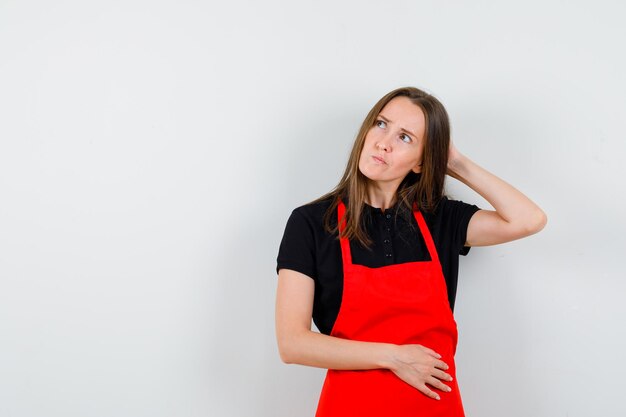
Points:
x=379 y=160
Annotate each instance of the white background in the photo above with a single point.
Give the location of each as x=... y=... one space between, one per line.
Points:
x=152 y=151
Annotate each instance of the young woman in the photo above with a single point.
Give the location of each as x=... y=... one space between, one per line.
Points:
x=374 y=262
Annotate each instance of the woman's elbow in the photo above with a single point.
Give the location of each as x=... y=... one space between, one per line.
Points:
x=285 y=353
x=287 y=349
x=536 y=222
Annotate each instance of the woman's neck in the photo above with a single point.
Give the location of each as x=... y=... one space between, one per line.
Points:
x=380 y=198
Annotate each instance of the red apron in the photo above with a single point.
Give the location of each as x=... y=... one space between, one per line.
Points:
x=401 y=304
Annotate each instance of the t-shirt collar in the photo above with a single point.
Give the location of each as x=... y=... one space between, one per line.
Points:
x=366 y=207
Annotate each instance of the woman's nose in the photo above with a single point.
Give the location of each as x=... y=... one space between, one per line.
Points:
x=383 y=144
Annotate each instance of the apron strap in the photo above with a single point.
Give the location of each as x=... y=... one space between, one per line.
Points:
x=345 y=244
x=428 y=239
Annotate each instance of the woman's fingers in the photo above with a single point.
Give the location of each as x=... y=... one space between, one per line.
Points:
x=437 y=363
x=430 y=351
x=428 y=392
x=434 y=382
x=441 y=365
x=441 y=375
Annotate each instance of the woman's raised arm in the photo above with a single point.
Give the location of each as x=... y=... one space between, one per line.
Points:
x=515 y=215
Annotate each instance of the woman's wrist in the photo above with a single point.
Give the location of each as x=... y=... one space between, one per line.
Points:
x=387 y=356
x=457 y=164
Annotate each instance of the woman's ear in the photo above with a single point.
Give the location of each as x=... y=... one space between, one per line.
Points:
x=417 y=168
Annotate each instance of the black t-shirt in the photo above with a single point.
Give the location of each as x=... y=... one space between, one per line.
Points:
x=307 y=248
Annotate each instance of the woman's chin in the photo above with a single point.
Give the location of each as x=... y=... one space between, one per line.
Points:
x=371 y=174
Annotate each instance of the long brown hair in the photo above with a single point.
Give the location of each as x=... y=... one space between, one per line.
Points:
x=424 y=189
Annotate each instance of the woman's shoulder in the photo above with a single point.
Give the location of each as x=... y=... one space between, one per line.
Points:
x=313 y=212
x=450 y=210
x=448 y=204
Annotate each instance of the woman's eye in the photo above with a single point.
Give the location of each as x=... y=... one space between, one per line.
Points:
x=403 y=138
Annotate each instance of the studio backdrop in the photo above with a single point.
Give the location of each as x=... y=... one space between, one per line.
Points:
x=151 y=153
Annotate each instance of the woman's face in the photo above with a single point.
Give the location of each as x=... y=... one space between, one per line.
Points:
x=394 y=145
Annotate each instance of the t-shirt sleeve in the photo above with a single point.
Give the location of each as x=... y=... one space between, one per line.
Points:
x=297 y=248
x=460 y=213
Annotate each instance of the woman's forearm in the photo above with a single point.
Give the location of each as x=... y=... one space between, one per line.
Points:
x=298 y=344
x=414 y=364
x=510 y=204
x=310 y=348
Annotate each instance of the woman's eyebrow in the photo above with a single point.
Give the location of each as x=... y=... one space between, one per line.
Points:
x=389 y=121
